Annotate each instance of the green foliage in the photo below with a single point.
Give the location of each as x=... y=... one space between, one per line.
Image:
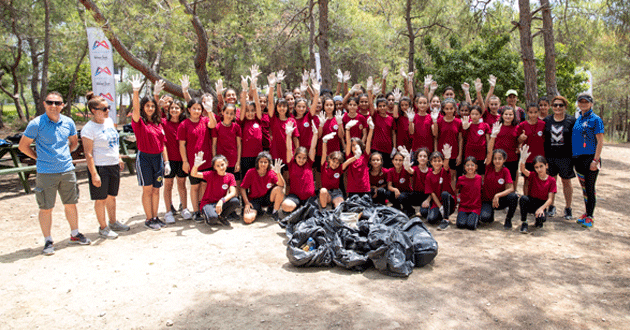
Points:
x=61 y=77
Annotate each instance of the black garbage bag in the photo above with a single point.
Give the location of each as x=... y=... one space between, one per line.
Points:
x=303 y=212
x=425 y=247
x=350 y=249
x=321 y=256
x=392 y=250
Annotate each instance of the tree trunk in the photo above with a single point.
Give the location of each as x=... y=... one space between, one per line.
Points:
x=311 y=35
x=527 y=51
x=39 y=105
x=626 y=120
x=70 y=96
x=412 y=38
x=323 y=44
x=45 y=56
x=28 y=115
x=550 y=50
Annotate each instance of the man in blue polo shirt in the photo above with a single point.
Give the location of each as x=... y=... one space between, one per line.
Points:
x=55 y=136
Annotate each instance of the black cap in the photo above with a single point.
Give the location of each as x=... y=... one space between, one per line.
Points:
x=585 y=97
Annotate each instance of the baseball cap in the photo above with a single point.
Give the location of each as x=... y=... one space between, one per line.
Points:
x=337 y=98
x=510 y=92
x=585 y=97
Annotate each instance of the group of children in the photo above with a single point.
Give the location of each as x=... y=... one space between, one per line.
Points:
x=280 y=149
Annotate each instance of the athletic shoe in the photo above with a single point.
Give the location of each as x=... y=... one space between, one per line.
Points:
x=80 y=239
x=539 y=222
x=186 y=214
x=173 y=210
x=588 y=222
x=107 y=233
x=443 y=225
x=224 y=221
x=580 y=220
x=524 y=228
x=117 y=226
x=568 y=213
x=551 y=211
x=49 y=249
x=275 y=216
x=152 y=224
x=168 y=217
x=507 y=224
x=198 y=217
x=159 y=222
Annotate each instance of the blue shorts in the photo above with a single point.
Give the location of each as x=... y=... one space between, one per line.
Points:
x=150 y=169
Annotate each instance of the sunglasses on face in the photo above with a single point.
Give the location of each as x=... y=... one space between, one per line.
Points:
x=583 y=101
x=55 y=103
x=103 y=109
x=558 y=105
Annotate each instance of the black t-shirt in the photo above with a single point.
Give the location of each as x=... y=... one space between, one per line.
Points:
x=558 y=137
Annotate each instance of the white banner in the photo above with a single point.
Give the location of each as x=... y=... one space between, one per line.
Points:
x=102 y=66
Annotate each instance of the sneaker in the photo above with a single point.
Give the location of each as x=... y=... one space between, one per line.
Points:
x=588 y=222
x=524 y=228
x=186 y=214
x=173 y=210
x=507 y=224
x=117 y=226
x=539 y=222
x=159 y=222
x=551 y=211
x=180 y=207
x=49 y=249
x=80 y=239
x=152 y=224
x=580 y=220
x=276 y=216
x=168 y=218
x=107 y=233
x=224 y=221
x=197 y=217
x=568 y=213
x=443 y=224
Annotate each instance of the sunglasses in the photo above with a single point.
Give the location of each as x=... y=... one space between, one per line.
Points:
x=55 y=103
x=558 y=105
x=584 y=101
x=107 y=108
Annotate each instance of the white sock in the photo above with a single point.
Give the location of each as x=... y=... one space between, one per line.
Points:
x=74 y=232
x=48 y=239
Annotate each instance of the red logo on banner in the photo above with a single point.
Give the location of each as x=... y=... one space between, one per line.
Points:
x=100 y=70
x=107 y=96
x=100 y=43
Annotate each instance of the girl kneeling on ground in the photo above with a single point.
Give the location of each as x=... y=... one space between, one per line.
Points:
x=262 y=186
x=542 y=190
x=302 y=185
x=498 y=190
x=438 y=185
x=468 y=190
x=219 y=201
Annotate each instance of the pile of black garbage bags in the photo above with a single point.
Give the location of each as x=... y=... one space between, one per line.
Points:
x=383 y=237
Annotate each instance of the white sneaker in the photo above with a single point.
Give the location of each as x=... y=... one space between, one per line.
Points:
x=107 y=233
x=186 y=214
x=168 y=217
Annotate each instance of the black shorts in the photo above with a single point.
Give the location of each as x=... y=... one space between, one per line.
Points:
x=481 y=166
x=335 y=193
x=237 y=175
x=110 y=182
x=260 y=202
x=452 y=164
x=295 y=199
x=176 y=169
x=513 y=168
x=562 y=167
x=194 y=181
x=247 y=163
x=317 y=163
x=529 y=167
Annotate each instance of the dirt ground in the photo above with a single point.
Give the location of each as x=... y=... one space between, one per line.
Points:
x=192 y=276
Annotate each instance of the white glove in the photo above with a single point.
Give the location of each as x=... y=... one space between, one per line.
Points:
x=339 y=118
x=271 y=79
x=135 y=82
x=376 y=89
x=403 y=151
x=277 y=166
x=410 y=76
x=313 y=127
x=435 y=113
x=385 y=72
x=328 y=137
x=403 y=73
x=316 y=87
x=185 y=82
x=313 y=75
x=207 y=104
x=397 y=94
x=355 y=89
x=167 y=168
x=303 y=87
x=370 y=123
x=492 y=81
x=357 y=151
x=496 y=128
x=434 y=86
x=465 y=122
x=442 y=211
x=244 y=85
x=322 y=118
x=351 y=123
x=289 y=128
x=410 y=114
x=466 y=87
x=524 y=154
x=219 y=86
x=427 y=80
x=253 y=71
x=346 y=76
x=478 y=85
x=393 y=152
x=159 y=87
x=199 y=159
x=447 y=150
x=280 y=76
x=305 y=76
x=407 y=162
x=339 y=76
x=369 y=83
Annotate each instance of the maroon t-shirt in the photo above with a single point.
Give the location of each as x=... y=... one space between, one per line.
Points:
x=535 y=138
x=448 y=132
x=379 y=180
x=172 y=144
x=264 y=122
x=494 y=182
x=400 y=180
x=334 y=144
x=469 y=194
x=540 y=189
x=357 y=130
x=197 y=137
x=258 y=185
x=226 y=141
x=403 y=137
x=507 y=139
x=301 y=178
x=278 y=144
x=422 y=134
x=252 y=142
x=358 y=175
x=476 y=144
x=382 y=137
x=437 y=183
x=217 y=188
x=489 y=118
x=419 y=179
x=305 y=129
x=150 y=138
x=331 y=178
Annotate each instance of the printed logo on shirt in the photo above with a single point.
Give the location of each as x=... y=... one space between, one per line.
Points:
x=381 y=181
x=402 y=180
x=224 y=186
x=480 y=132
x=361 y=126
x=336 y=175
x=336 y=127
x=269 y=185
x=540 y=133
x=256 y=125
x=306 y=124
x=557 y=139
x=441 y=180
x=501 y=181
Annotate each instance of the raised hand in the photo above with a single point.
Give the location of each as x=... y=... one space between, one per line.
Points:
x=253 y=71
x=403 y=151
x=313 y=127
x=316 y=86
x=322 y=118
x=403 y=73
x=219 y=86
x=280 y=76
x=305 y=76
x=356 y=151
x=207 y=104
x=303 y=87
x=427 y=80
x=385 y=72
x=410 y=114
x=351 y=123
x=346 y=76
x=492 y=80
x=339 y=75
x=271 y=79
x=244 y=85
x=313 y=74
x=369 y=83
x=277 y=166
x=355 y=89
x=185 y=82
x=199 y=159
x=435 y=113
x=434 y=86
x=447 y=150
x=135 y=82
x=159 y=87
x=465 y=122
x=376 y=89
x=407 y=162
x=466 y=87
x=370 y=123
x=328 y=137
x=339 y=117
x=397 y=94
x=524 y=154
x=410 y=76
x=289 y=128
x=496 y=128
x=478 y=85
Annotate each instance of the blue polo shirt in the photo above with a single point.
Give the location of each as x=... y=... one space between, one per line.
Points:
x=51 y=141
x=583 y=138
